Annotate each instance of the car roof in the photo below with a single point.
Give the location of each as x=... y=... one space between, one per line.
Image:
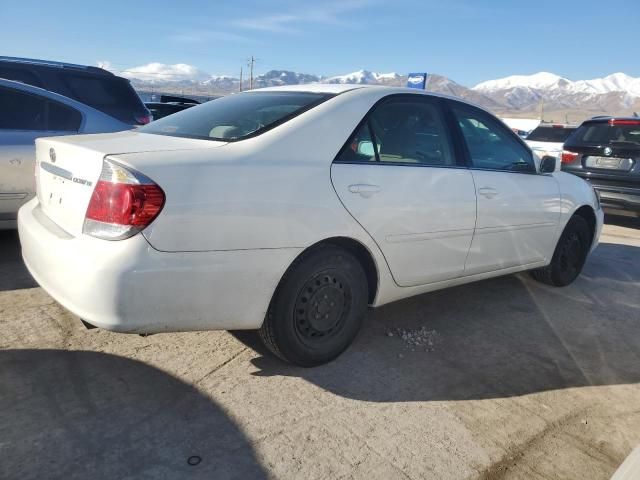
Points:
x=337 y=88
x=313 y=88
x=375 y=90
x=53 y=64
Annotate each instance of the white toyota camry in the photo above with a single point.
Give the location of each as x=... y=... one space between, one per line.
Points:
x=290 y=210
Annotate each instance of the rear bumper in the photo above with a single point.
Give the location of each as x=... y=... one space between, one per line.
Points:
x=128 y=286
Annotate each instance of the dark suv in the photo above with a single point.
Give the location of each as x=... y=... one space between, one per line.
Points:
x=92 y=86
x=606 y=152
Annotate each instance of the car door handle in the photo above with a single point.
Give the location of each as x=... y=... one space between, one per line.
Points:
x=487 y=192
x=365 y=190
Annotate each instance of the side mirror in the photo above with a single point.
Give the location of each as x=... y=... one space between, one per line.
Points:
x=366 y=148
x=548 y=164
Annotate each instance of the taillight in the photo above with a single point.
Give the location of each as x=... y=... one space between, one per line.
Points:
x=144 y=119
x=614 y=122
x=123 y=203
x=568 y=157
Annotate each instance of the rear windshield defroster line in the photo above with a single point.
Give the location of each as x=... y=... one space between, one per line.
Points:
x=238 y=116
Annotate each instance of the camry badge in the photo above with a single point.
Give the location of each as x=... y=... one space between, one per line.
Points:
x=52 y=155
x=608 y=151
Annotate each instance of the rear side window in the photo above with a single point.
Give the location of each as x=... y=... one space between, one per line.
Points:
x=23 y=111
x=62 y=118
x=236 y=117
x=595 y=134
x=401 y=130
x=550 y=134
x=491 y=145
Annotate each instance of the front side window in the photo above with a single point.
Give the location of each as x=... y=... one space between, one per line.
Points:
x=236 y=117
x=402 y=131
x=491 y=145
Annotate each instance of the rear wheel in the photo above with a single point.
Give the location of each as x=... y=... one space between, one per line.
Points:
x=569 y=256
x=317 y=309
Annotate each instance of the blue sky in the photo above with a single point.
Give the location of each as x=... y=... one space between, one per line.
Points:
x=468 y=41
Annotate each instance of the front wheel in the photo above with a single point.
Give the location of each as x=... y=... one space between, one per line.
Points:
x=317 y=309
x=569 y=256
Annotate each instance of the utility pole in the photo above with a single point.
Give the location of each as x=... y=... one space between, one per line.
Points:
x=542 y=110
x=250 y=62
x=240 y=79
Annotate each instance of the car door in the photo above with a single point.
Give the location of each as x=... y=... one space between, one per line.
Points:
x=518 y=208
x=399 y=176
x=25 y=117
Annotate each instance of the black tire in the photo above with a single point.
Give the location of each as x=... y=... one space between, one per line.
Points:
x=569 y=256
x=318 y=307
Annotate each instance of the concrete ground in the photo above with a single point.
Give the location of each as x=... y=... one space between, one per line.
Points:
x=520 y=381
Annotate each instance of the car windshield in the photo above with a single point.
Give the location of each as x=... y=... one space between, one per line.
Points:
x=551 y=134
x=236 y=117
x=603 y=133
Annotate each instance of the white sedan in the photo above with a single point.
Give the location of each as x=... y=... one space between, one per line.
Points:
x=290 y=210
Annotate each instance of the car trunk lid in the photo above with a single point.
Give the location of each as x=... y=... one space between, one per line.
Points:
x=68 y=168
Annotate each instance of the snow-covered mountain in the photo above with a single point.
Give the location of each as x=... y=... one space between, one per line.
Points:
x=366 y=77
x=612 y=92
x=522 y=94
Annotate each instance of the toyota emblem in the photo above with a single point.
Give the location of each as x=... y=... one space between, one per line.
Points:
x=52 y=155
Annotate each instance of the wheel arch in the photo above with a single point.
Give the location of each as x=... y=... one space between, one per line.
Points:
x=358 y=250
x=587 y=212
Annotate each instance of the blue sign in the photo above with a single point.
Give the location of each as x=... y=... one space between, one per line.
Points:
x=417 y=80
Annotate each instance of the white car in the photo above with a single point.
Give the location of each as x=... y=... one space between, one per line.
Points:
x=548 y=139
x=291 y=209
x=26 y=113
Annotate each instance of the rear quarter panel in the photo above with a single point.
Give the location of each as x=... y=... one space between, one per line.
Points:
x=271 y=191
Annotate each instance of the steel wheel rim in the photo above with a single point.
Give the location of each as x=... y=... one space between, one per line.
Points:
x=321 y=307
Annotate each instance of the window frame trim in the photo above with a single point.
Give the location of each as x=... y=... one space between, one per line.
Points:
x=449 y=104
x=459 y=161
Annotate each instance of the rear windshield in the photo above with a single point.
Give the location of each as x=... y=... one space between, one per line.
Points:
x=551 y=134
x=236 y=117
x=603 y=133
x=101 y=93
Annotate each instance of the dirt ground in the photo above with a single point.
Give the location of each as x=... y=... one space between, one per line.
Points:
x=516 y=380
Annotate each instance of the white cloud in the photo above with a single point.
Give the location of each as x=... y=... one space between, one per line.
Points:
x=163 y=72
x=289 y=22
x=104 y=64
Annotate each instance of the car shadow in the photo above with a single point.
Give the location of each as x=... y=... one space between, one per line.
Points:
x=78 y=414
x=502 y=337
x=622 y=221
x=13 y=273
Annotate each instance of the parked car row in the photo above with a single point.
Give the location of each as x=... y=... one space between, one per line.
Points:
x=604 y=151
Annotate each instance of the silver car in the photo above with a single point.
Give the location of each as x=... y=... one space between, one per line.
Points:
x=26 y=113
